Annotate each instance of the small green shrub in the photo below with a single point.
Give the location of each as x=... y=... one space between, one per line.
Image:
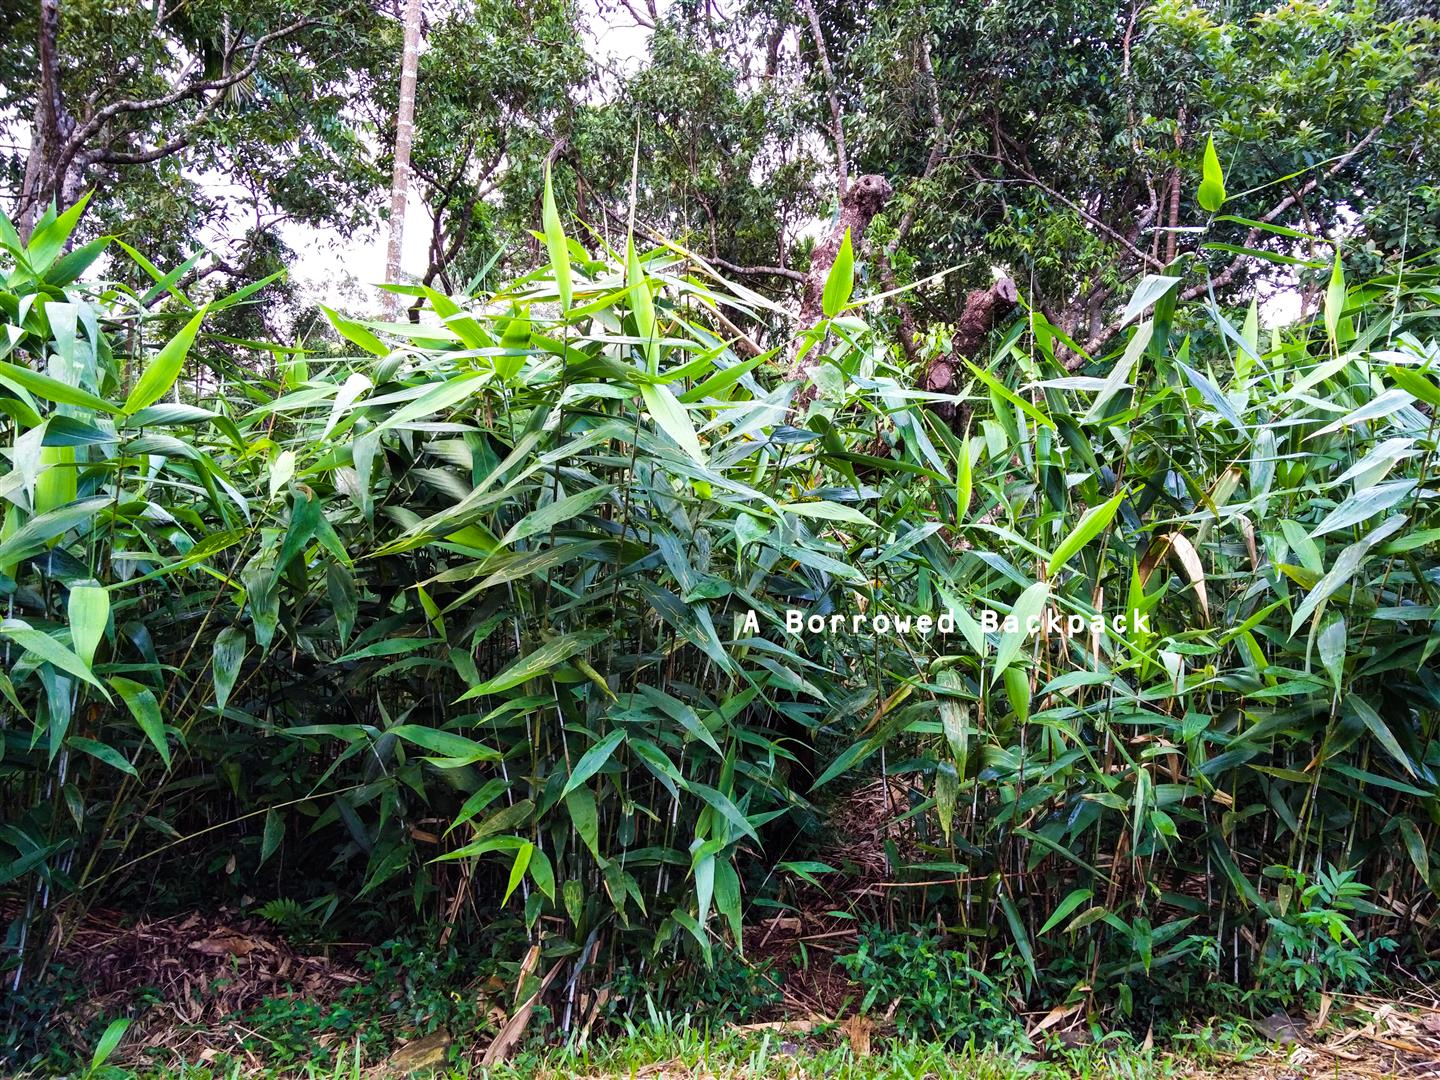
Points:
x=732 y=990
x=933 y=991
x=1313 y=946
x=407 y=989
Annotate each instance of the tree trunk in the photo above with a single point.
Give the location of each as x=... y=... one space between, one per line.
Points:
x=863 y=200
x=404 y=140
x=983 y=309
x=47 y=177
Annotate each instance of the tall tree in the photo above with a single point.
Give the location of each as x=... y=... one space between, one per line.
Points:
x=1063 y=141
x=198 y=129
x=404 y=141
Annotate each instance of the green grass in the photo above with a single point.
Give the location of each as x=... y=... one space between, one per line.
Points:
x=672 y=1052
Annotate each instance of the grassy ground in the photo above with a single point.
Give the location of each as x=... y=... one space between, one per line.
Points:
x=668 y=1053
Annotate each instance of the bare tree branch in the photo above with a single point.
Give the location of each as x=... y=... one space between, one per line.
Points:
x=201 y=86
x=758 y=271
x=1226 y=276
x=837 y=132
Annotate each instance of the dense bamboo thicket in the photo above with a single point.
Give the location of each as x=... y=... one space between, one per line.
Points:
x=484 y=621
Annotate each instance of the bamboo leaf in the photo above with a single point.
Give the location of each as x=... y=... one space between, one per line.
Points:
x=455 y=749
x=1028 y=606
x=670 y=415
x=46 y=648
x=1152 y=288
x=52 y=389
x=840 y=281
x=1075 y=898
x=1090 y=525
x=549 y=655
x=557 y=245
x=552 y=514
x=89 y=611
x=1119 y=377
x=1334 y=298
x=517 y=869
x=140 y=700
x=1415 y=846
x=271 y=835
x=162 y=371
x=227 y=654
x=593 y=760
x=100 y=752
x=1356 y=706
x=1211 y=195
x=827 y=511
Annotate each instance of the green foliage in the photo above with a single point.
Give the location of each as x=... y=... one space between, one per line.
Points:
x=1312 y=946
x=931 y=991
x=482 y=620
x=732 y=990
x=407 y=990
x=1072 y=144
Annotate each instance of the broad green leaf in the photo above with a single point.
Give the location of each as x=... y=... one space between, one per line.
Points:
x=1415 y=845
x=490 y=791
x=1334 y=298
x=1358 y=707
x=1211 y=195
x=827 y=511
x=114 y=1032
x=543 y=659
x=721 y=381
x=556 y=244
x=226 y=657
x=438 y=398
x=1075 y=898
x=35 y=535
x=1212 y=395
x=52 y=652
x=728 y=899
x=581 y=805
x=100 y=752
x=517 y=870
x=593 y=760
x=51 y=389
x=271 y=835
x=964 y=483
x=456 y=749
x=542 y=872
x=514 y=816
x=354 y=332
x=281 y=470
x=1151 y=289
x=49 y=239
x=1365 y=504
x=727 y=809
x=140 y=700
x=642 y=307
x=1090 y=525
x=556 y=513
x=162 y=371
x=1030 y=604
x=1415 y=384
x=1017 y=930
x=1119 y=376
x=840 y=281
x=670 y=415
x=1383 y=405
x=1346 y=563
x=89 y=611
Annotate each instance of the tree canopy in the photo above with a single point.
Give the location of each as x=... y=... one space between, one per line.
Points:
x=1051 y=142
